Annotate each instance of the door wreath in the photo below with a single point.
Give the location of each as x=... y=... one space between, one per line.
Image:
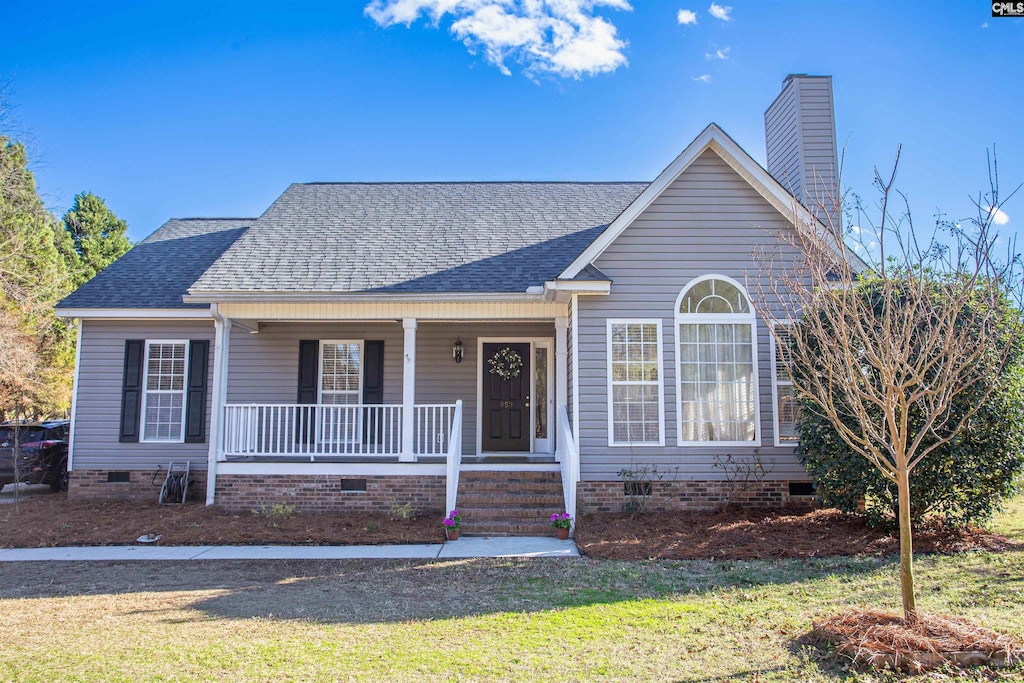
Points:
x=506 y=364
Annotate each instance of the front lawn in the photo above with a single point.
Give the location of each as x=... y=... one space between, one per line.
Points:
x=471 y=620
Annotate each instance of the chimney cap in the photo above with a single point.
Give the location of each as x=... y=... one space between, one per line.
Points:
x=790 y=77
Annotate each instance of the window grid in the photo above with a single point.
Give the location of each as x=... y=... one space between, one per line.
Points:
x=340 y=373
x=165 y=392
x=786 y=406
x=635 y=383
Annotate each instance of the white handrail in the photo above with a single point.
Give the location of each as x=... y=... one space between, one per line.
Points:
x=569 y=458
x=454 y=459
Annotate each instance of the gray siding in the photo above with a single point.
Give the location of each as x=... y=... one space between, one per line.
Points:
x=800 y=134
x=98 y=409
x=708 y=221
x=782 y=140
x=264 y=367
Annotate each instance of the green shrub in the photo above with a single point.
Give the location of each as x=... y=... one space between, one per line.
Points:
x=962 y=481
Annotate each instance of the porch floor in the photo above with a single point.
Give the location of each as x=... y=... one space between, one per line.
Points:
x=485 y=459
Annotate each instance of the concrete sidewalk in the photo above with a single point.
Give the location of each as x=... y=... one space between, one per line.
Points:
x=465 y=547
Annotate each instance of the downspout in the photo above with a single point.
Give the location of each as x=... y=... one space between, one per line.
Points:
x=216 y=409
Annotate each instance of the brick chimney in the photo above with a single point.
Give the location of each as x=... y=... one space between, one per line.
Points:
x=800 y=137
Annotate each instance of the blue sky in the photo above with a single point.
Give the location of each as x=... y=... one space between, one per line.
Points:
x=212 y=109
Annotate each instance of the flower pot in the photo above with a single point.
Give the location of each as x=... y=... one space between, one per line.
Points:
x=453 y=534
x=563 y=533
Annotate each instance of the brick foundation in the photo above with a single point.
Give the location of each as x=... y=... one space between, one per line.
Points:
x=142 y=486
x=315 y=492
x=610 y=496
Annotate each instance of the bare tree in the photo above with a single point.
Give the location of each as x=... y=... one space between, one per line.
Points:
x=886 y=369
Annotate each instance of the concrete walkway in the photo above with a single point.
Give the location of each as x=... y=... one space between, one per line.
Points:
x=465 y=547
x=24 y=491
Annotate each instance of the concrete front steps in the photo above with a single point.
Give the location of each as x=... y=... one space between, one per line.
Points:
x=509 y=503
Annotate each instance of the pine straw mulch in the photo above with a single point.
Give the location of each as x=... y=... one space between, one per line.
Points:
x=877 y=639
x=748 y=533
x=53 y=520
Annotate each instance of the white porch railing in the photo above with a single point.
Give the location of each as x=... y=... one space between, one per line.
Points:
x=569 y=457
x=323 y=430
x=454 y=459
x=431 y=430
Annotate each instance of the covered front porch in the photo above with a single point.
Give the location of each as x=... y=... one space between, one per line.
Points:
x=348 y=390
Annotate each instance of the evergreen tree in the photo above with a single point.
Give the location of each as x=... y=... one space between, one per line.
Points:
x=98 y=235
x=36 y=348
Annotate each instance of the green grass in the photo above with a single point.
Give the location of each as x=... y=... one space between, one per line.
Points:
x=471 y=620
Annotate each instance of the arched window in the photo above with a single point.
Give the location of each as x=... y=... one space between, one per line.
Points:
x=717 y=334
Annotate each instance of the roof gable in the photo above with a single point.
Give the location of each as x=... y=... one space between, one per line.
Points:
x=715 y=139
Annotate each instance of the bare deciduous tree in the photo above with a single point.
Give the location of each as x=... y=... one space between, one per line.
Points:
x=886 y=369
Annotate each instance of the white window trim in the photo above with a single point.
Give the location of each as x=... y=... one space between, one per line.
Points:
x=320 y=368
x=785 y=322
x=358 y=433
x=717 y=318
x=609 y=323
x=145 y=391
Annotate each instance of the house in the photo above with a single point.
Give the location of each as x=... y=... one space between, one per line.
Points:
x=508 y=347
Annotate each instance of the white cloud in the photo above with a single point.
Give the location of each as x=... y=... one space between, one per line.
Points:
x=984 y=24
x=703 y=78
x=720 y=12
x=723 y=53
x=999 y=216
x=686 y=16
x=562 y=37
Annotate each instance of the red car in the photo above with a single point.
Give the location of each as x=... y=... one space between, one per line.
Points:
x=42 y=453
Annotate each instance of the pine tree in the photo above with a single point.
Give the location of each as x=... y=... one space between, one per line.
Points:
x=99 y=237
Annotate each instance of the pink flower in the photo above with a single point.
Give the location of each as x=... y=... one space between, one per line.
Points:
x=554 y=517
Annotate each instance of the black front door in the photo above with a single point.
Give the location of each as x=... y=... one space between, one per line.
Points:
x=506 y=394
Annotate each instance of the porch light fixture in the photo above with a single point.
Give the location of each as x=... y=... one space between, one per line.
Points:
x=457 y=350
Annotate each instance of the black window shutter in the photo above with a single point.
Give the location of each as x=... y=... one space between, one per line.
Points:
x=195 y=402
x=309 y=371
x=131 y=389
x=309 y=357
x=373 y=389
x=373 y=372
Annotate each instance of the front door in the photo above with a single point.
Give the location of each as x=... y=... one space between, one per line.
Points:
x=506 y=398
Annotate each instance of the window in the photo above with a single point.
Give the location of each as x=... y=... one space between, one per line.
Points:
x=163 y=398
x=785 y=399
x=636 y=413
x=340 y=372
x=717 y=364
x=341 y=364
x=540 y=391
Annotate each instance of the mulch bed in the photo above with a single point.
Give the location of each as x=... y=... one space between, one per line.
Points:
x=877 y=639
x=742 y=534
x=53 y=520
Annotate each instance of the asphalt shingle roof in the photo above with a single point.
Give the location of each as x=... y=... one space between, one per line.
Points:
x=158 y=271
x=416 y=237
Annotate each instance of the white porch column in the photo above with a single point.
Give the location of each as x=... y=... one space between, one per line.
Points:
x=561 y=368
x=409 y=391
x=221 y=344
